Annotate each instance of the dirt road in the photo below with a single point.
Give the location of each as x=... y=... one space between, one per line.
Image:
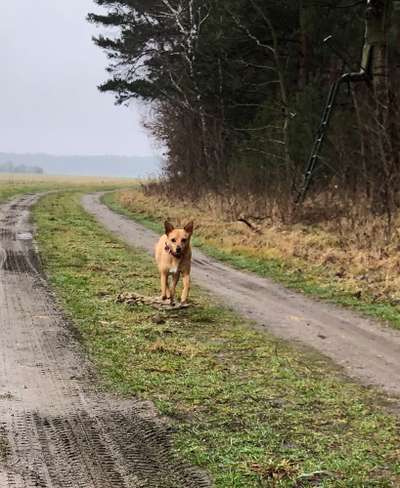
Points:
x=366 y=350
x=56 y=430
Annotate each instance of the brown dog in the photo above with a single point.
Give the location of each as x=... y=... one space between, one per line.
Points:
x=173 y=256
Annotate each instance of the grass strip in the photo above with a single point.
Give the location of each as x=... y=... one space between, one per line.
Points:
x=250 y=409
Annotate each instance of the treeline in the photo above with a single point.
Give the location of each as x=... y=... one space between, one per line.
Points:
x=237 y=88
x=20 y=168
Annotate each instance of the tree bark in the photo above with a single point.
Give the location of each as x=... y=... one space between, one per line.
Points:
x=378 y=20
x=375 y=59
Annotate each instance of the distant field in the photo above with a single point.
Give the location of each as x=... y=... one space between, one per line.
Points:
x=15 y=184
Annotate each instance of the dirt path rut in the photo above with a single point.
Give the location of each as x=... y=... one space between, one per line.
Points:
x=365 y=349
x=56 y=430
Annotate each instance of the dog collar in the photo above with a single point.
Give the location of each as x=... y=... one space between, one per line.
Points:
x=168 y=249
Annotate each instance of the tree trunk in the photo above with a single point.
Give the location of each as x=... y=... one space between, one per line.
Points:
x=376 y=47
x=305 y=45
x=376 y=52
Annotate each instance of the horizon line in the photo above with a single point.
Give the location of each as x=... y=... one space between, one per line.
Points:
x=158 y=156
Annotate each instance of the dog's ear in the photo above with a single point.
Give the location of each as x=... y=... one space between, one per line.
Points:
x=168 y=227
x=189 y=227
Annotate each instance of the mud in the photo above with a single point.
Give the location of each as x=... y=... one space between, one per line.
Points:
x=366 y=350
x=56 y=429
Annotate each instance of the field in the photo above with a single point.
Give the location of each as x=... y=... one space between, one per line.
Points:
x=251 y=410
x=15 y=184
x=350 y=267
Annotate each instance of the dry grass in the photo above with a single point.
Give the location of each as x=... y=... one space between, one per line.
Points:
x=350 y=250
x=175 y=348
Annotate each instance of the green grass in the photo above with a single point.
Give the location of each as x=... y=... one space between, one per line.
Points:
x=251 y=410
x=312 y=281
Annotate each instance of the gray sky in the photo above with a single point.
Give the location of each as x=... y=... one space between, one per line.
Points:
x=50 y=70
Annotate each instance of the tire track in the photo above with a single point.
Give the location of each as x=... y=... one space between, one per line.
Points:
x=57 y=431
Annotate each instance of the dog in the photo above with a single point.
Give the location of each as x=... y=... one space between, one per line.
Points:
x=173 y=255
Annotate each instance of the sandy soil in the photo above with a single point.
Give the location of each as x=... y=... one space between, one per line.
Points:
x=367 y=351
x=56 y=429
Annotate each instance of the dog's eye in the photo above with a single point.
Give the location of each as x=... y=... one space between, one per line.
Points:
x=183 y=241
x=173 y=240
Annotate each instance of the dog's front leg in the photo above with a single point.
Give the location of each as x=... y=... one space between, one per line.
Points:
x=173 y=287
x=164 y=285
x=186 y=287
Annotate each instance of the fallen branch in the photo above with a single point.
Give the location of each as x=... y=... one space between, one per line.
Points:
x=250 y=225
x=156 y=302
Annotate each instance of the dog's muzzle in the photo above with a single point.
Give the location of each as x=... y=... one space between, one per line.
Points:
x=175 y=254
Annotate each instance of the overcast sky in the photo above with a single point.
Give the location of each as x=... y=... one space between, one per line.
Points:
x=50 y=70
